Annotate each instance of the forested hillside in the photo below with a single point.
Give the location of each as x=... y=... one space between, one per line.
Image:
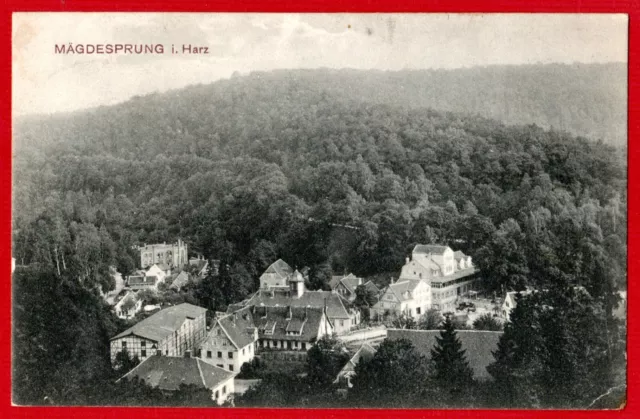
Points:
x=257 y=167
x=339 y=171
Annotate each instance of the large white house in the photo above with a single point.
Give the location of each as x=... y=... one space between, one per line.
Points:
x=232 y=341
x=450 y=274
x=411 y=297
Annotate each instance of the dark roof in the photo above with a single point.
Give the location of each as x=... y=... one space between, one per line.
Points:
x=351 y=282
x=288 y=318
x=479 y=345
x=163 y=323
x=180 y=280
x=168 y=373
x=335 y=280
x=369 y=285
x=316 y=299
x=238 y=327
x=430 y=248
x=280 y=268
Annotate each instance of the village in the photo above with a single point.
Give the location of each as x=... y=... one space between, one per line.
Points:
x=282 y=320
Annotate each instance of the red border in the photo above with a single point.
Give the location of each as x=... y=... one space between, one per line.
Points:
x=557 y=6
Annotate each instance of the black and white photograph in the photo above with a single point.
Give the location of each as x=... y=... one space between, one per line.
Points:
x=231 y=210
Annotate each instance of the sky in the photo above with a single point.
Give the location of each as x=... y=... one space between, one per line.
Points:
x=46 y=82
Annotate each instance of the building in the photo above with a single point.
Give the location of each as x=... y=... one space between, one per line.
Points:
x=169 y=332
x=341 y=315
x=149 y=279
x=366 y=353
x=277 y=275
x=232 y=341
x=167 y=373
x=346 y=286
x=180 y=280
x=479 y=346
x=411 y=297
x=128 y=306
x=510 y=302
x=201 y=265
x=173 y=255
x=450 y=274
x=290 y=328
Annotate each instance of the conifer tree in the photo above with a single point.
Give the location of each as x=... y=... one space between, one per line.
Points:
x=451 y=366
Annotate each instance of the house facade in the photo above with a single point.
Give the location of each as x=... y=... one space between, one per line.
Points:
x=128 y=306
x=510 y=302
x=168 y=373
x=277 y=275
x=346 y=286
x=450 y=274
x=411 y=297
x=169 y=332
x=290 y=328
x=232 y=341
x=173 y=255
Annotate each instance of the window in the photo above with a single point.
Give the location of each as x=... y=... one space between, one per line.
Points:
x=304 y=346
x=143 y=343
x=242 y=351
x=143 y=352
x=224 y=390
x=124 y=343
x=341 y=322
x=217 y=394
x=208 y=354
x=418 y=310
x=224 y=342
x=230 y=355
x=230 y=367
x=219 y=354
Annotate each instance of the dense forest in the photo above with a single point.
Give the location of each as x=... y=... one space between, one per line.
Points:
x=340 y=171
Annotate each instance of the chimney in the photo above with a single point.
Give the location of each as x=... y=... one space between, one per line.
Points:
x=187 y=354
x=406 y=260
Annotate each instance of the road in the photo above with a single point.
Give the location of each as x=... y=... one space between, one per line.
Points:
x=111 y=295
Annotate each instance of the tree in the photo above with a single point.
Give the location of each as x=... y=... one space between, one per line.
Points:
x=396 y=376
x=431 y=320
x=451 y=366
x=324 y=360
x=365 y=297
x=124 y=363
x=487 y=322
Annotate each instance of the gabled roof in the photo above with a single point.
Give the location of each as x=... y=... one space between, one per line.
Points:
x=430 y=248
x=351 y=282
x=365 y=352
x=479 y=345
x=458 y=254
x=283 y=319
x=279 y=268
x=180 y=280
x=369 y=285
x=401 y=287
x=335 y=280
x=168 y=373
x=163 y=323
x=238 y=327
x=315 y=299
